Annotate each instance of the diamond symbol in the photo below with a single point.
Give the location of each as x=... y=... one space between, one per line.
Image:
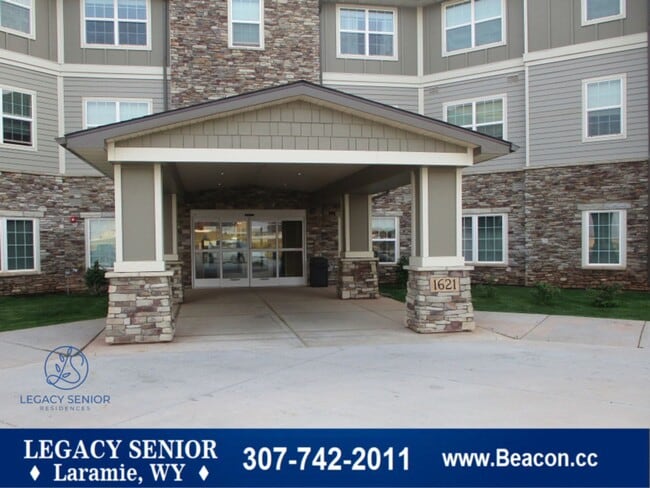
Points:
x=204 y=473
x=34 y=473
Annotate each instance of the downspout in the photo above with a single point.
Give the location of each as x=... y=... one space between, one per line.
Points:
x=165 y=60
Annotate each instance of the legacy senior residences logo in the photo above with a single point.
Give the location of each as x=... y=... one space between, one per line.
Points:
x=65 y=368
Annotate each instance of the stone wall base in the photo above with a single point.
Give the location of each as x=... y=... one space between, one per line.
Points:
x=357 y=278
x=140 y=308
x=430 y=311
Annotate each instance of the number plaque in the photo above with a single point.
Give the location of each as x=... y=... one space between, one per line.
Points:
x=445 y=284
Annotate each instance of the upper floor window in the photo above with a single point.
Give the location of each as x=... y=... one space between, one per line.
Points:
x=485 y=239
x=17 y=118
x=604 y=108
x=19 y=244
x=595 y=11
x=16 y=16
x=472 y=24
x=102 y=112
x=246 y=23
x=123 y=23
x=485 y=115
x=603 y=238
x=385 y=239
x=367 y=33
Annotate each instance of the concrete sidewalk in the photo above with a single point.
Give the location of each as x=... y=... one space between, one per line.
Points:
x=267 y=359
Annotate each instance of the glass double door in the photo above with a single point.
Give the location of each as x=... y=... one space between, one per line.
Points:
x=257 y=248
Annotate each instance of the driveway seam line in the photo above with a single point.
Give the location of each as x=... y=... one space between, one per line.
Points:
x=534 y=328
x=281 y=319
x=643 y=328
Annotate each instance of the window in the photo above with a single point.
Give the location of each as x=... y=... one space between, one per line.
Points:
x=367 y=33
x=16 y=16
x=100 y=242
x=19 y=244
x=604 y=108
x=385 y=239
x=603 y=238
x=245 y=23
x=595 y=11
x=483 y=115
x=17 y=118
x=116 y=22
x=101 y=112
x=472 y=24
x=485 y=239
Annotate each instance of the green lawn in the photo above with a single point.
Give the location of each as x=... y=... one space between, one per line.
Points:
x=20 y=312
x=632 y=305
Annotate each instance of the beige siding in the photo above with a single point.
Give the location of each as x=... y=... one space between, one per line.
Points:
x=399 y=97
x=74 y=53
x=556 y=102
x=359 y=224
x=513 y=87
x=297 y=125
x=435 y=62
x=553 y=23
x=406 y=64
x=45 y=157
x=44 y=43
x=76 y=89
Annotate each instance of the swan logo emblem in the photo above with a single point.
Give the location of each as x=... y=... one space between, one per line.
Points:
x=66 y=368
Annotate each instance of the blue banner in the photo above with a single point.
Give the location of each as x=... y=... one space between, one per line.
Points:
x=325 y=457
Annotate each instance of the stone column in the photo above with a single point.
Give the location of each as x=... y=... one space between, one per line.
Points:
x=357 y=276
x=139 y=308
x=439 y=297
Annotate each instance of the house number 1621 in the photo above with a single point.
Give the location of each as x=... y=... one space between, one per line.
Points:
x=445 y=284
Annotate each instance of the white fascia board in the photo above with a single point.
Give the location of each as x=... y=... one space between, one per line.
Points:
x=585 y=49
x=79 y=70
x=242 y=156
x=138 y=266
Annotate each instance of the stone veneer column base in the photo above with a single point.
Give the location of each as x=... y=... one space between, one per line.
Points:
x=140 y=307
x=432 y=311
x=357 y=278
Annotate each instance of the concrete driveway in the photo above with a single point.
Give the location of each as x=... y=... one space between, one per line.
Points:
x=301 y=358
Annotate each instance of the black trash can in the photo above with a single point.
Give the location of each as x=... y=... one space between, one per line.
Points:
x=318 y=272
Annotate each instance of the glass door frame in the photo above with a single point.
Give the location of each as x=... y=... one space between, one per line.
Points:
x=220 y=216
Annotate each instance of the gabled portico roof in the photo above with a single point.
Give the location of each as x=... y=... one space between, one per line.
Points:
x=92 y=145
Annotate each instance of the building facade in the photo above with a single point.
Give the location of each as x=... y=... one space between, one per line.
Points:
x=567 y=82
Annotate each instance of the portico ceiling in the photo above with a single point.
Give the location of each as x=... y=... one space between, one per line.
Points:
x=307 y=178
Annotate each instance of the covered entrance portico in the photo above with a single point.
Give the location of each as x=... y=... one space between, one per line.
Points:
x=243 y=191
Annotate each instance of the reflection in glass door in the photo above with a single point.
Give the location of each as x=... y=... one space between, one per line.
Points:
x=234 y=253
x=207 y=243
x=264 y=249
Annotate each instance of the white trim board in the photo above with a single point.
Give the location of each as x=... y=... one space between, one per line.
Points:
x=127 y=155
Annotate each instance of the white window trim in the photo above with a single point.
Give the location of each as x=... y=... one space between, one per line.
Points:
x=366 y=9
x=396 y=239
x=4 y=252
x=474 y=217
x=32 y=18
x=585 y=114
x=118 y=101
x=87 y=238
x=18 y=147
x=622 y=264
x=116 y=45
x=599 y=20
x=502 y=42
x=232 y=45
x=504 y=100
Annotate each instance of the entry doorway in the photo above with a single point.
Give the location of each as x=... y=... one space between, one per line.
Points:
x=244 y=248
